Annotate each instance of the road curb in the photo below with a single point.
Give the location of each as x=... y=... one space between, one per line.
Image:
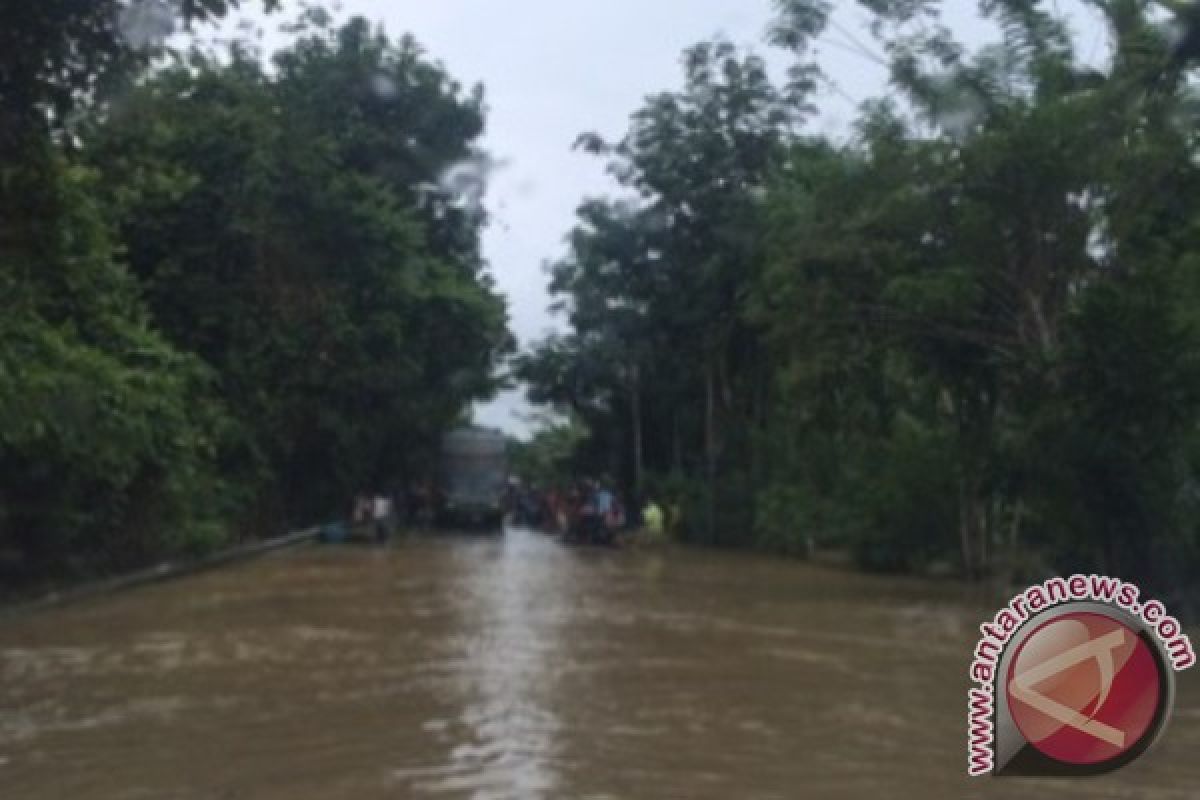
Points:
x=167 y=570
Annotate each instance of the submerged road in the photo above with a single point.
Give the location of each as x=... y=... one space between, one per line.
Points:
x=515 y=668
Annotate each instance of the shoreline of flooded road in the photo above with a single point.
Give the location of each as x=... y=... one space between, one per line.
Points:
x=164 y=571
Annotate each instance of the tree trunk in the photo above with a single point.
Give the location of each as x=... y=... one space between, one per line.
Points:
x=637 y=430
x=981 y=521
x=1014 y=538
x=710 y=450
x=964 y=528
x=676 y=443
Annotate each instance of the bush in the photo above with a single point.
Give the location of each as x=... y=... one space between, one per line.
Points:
x=106 y=432
x=909 y=503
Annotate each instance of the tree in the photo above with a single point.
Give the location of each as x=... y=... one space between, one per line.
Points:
x=105 y=432
x=1019 y=209
x=544 y=459
x=284 y=230
x=237 y=296
x=653 y=283
x=966 y=333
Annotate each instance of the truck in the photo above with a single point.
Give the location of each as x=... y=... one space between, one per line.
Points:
x=472 y=478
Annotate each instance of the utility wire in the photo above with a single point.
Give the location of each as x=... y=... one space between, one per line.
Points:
x=852 y=50
x=862 y=48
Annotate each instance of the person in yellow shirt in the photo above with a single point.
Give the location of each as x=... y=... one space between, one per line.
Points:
x=653 y=519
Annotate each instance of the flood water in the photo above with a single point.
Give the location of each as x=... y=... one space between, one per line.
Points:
x=515 y=668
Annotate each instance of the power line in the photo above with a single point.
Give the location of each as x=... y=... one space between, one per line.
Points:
x=862 y=48
x=853 y=51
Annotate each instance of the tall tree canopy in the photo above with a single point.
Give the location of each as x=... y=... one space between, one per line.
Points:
x=965 y=332
x=291 y=230
x=238 y=293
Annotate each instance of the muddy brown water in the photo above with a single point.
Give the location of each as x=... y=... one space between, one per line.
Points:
x=515 y=668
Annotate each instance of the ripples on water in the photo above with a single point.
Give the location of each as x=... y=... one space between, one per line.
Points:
x=512 y=668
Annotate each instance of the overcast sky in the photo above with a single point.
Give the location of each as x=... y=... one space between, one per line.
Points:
x=556 y=68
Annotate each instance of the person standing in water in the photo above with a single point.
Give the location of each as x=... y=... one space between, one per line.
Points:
x=382 y=513
x=653 y=520
x=605 y=503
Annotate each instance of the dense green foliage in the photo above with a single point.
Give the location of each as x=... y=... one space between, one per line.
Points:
x=545 y=458
x=967 y=335
x=234 y=295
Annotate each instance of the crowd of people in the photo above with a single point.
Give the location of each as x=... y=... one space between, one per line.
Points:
x=378 y=515
x=374 y=516
x=589 y=511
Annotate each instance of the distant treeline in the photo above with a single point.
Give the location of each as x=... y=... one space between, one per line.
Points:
x=964 y=335
x=233 y=293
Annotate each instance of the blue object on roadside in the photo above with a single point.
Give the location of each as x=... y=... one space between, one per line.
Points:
x=334 y=533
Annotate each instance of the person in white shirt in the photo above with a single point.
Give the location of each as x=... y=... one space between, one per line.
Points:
x=382 y=513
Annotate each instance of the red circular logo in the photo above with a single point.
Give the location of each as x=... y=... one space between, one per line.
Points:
x=1084 y=689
